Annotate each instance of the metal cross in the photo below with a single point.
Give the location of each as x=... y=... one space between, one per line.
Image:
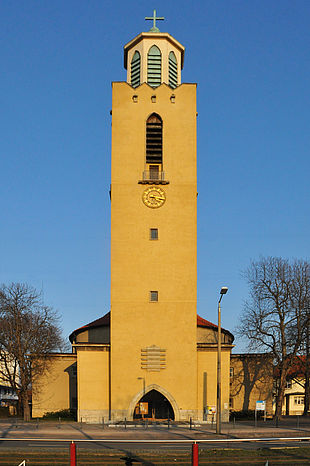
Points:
x=154 y=18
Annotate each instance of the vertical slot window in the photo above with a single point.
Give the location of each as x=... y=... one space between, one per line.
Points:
x=135 y=69
x=154 y=67
x=154 y=141
x=173 y=70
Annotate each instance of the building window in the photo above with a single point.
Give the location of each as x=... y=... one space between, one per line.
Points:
x=288 y=384
x=135 y=69
x=154 y=139
x=298 y=400
x=231 y=403
x=173 y=70
x=154 y=67
x=231 y=371
x=153 y=296
x=153 y=233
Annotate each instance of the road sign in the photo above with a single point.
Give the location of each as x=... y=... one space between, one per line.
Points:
x=260 y=405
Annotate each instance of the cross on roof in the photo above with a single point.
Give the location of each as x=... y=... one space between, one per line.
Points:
x=154 y=18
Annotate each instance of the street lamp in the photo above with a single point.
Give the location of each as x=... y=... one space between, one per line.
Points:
x=143 y=379
x=223 y=291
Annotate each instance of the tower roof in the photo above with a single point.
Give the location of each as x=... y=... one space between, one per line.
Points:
x=155 y=35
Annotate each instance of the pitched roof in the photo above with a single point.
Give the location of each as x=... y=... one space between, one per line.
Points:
x=296 y=369
x=201 y=322
x=101 y=322
x=105 y=322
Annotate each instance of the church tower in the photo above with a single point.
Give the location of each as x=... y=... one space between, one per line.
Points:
x=151 y=356
x=153 y=233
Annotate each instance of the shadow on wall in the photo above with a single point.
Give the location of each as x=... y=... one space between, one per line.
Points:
x=72 y=373
x=251 y=380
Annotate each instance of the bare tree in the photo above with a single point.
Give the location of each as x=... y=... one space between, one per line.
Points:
x=29 y=331
x=275 y=316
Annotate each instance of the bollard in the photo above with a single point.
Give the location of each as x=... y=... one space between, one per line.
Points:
x=103 y=422
x=125 y=423
x=195 y=454
x=190 y=423
x=168 y=422
x=73 y=454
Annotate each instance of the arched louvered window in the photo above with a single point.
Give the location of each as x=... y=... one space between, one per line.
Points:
x=154 y=67
x=135 y=69
x=173 y=70
x=154 y=140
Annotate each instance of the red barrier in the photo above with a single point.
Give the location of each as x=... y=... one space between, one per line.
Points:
x=73 y=454
x=195 y=454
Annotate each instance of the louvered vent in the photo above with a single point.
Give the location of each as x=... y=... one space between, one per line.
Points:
x=154 y=67
x=153 y=358
x=135 y=69
x=154 y=139
x=173 y=70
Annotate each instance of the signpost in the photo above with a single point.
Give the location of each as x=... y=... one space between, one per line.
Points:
x=211 y=410
x=260 y=406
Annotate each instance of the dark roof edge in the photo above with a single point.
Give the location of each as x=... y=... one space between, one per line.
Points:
x=105 y=322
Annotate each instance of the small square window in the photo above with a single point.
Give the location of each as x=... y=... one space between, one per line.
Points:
x=153 y=233
x=154 y=296
x=231 y=371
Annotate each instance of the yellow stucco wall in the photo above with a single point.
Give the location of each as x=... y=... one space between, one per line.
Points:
x=207 y=385
x=93 y=383
x=139 y=265
x=55 y=389
x=251 y=381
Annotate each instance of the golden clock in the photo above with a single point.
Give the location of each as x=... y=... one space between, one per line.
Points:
x=154 y=197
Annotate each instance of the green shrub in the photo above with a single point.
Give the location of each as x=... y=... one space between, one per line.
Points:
x=245 y=414
x=62 y=413
x=4 y=412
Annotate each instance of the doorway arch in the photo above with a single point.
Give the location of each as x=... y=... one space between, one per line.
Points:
x=155 y=406
x=159 y=400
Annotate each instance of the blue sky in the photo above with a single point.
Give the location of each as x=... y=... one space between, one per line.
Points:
x=58 y=58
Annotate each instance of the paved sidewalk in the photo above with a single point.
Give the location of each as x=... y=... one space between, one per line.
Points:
x=75 y=430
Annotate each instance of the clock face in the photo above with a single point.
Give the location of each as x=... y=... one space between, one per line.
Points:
x=154 y=197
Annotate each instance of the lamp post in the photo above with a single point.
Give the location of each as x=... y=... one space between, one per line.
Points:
x=223 y=291
x=143 y=379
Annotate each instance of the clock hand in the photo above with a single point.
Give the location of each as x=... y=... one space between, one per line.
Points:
x=158 y=198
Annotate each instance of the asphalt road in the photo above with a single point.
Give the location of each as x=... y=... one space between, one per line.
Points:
x=126 y=446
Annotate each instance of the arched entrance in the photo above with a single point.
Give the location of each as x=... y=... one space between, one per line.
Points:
x=153 y=405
